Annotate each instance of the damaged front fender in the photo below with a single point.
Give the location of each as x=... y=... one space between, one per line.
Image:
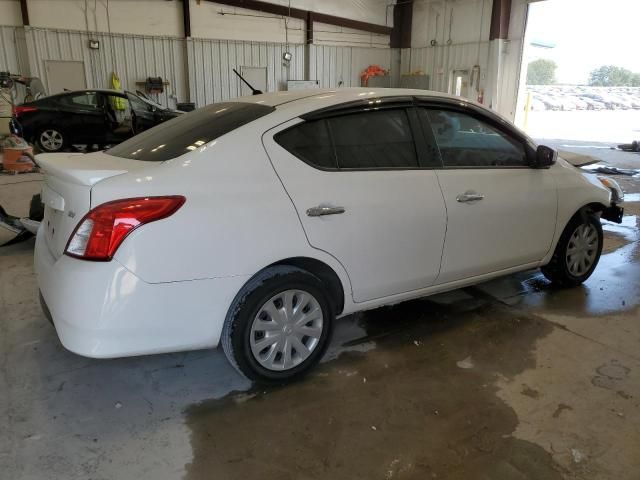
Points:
x=613 y=213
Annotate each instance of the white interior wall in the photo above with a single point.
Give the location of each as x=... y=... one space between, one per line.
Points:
x=217 y=21
x=432 y=18
x=9 y=58
x=459 y=31
x=372 y=11
x=211 y=78
x=335 y=66
x=324 y=34
x=140 y=17
x=208 y=20
x=10 y=14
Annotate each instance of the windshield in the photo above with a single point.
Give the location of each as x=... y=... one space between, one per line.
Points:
x=189 y=131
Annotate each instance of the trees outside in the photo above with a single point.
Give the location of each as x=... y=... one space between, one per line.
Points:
x=541 y=72
x=612 y=76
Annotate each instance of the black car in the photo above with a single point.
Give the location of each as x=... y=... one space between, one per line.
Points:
x=88 y=117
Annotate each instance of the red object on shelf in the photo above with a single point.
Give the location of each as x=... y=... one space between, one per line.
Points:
x=372 y=71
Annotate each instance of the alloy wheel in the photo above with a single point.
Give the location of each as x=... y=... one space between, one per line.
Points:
x=286 y=330
x=51 y=140
x=582 y=249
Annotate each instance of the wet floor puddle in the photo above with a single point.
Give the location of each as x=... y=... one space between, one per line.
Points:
x=422 y=405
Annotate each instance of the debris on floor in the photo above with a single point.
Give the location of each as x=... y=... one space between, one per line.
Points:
x=607 y=170
x=466 y=363
x=630 y=147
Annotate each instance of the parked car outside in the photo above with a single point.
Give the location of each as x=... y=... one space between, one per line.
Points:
x=537 y=105
x=552 y=103
x=255 y=223
x=94 y=117
x=593 y=104
x=578 y=102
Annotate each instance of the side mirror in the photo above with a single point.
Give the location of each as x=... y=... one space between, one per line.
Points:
x=545 y=157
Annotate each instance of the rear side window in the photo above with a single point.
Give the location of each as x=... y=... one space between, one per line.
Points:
x=188 y=131
x=370 y=140
x=310 y=142
x=466 y=141
x=85 y=101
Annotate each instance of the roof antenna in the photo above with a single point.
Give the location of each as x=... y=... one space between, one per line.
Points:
x=253 y=90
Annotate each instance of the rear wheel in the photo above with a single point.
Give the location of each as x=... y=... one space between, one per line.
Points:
x=51 y=140
x=279 y=325
x=577 y=253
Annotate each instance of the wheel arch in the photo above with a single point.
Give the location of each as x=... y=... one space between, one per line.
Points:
x=594 y=207
x=324 y=272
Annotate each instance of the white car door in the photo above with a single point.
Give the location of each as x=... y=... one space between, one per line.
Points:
x=501 y=213
x=364 y=196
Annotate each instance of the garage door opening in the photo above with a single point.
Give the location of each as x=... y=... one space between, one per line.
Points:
x=582 y=72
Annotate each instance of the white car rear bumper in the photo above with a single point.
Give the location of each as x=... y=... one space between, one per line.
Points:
x=102 y=310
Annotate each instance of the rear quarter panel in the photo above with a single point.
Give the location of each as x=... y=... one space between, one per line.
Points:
x=237 y=218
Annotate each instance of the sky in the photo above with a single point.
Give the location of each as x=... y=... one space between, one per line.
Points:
x=587 y=35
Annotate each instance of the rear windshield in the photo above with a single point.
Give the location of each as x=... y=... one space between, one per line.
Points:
x=188 y=131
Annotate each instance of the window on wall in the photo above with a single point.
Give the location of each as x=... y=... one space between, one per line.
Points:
x=466 y=141
x=364 y=140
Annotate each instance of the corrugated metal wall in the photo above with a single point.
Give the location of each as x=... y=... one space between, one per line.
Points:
x=10 y=38
x=133 y=58
x=211 y=62
x=336 y=66
x=440 y=61
x=211 y=78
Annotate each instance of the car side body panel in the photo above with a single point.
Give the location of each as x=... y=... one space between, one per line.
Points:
x=391 y=232
x=512 y=225
x=171 y=282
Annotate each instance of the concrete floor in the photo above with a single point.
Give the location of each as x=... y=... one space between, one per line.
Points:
x=506 y=380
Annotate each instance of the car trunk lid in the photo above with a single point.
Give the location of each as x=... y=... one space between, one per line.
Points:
x=66 y=193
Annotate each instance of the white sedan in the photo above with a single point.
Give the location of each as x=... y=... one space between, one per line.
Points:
x=256 y=223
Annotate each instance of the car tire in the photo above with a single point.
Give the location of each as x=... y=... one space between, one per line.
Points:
x=51 y=140
x=577 y=252
x=265 y=335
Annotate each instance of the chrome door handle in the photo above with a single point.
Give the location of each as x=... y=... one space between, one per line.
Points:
x=469 y=197
x=321 y=211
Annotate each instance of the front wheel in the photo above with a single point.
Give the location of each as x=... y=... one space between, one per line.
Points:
x=577 y=253
x=279 y=325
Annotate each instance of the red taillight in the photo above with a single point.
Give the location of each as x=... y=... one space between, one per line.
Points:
x=102 y=230
x=19 y=110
